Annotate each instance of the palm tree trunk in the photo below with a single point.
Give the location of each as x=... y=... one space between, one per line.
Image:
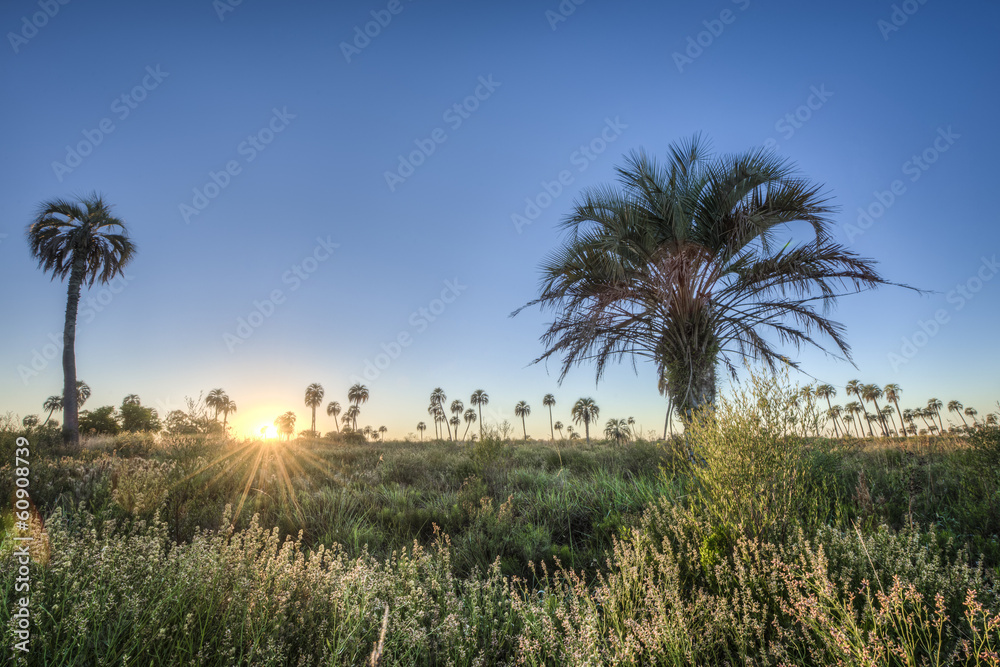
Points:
x=586 y=426
x=313 y=428
x=552 y=431
x=447 y=423
x=71 y=424
x=835 y=429
x=524 y=429
x=881 y=419
x=481 y=425
x=899 y=412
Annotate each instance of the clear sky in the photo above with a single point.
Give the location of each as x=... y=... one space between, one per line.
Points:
x=262 y=149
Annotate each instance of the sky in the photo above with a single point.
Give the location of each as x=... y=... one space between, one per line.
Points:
x=334 y=192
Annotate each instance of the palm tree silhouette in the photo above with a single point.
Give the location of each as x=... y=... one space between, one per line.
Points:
x=955 y=406
x=972 y=412
x=333 y=408
x=357 y=394
x=616 y=430
x=854 y=409
x=834 y=413
x=871 y=392
x=585 y=411
x=548 y=401
x=934 y=405
x=559 y=427
x=82 y=393
x=479 y=399
x=470 y=419
x=314 y=398
x=421 y=427
x=52 y=403
x=438 y=397
x=456 y=409
x=84 y=242
x=227 y=407
x=131 y=399
x=382 y=430
x=286 y=424
x=455 y=422
x=828 y=391
x=216 y=399
x=351 y=416
x=522 y=410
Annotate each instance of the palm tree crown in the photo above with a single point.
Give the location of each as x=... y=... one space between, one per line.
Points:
x=479 y=399
x=585 y=411
x=314 y=398
x=522 y=410
x=333 y=408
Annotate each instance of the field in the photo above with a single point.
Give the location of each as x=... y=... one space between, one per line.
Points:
x=747 y=542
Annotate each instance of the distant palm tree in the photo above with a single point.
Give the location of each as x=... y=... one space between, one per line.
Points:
x=351 y=416
x=314 y=398
x=421 y=426
x=955 y=406
x=479 y=399
x=30 y=421
x=892 y=393
x=52 y=403
x=470 y=419
x=522 y=410
x=131 y=399
x=333 y=408
x=886 y=415
x=935 y=405
x=631 y=427
x=455 y=422
x=991 y=419
x=230 y=406
x=456 y=409
x=854 y=409
x=82 y=393
x=286 y=424
x=924 y=413
x=872 y=392
x=357 y=394
x=585 y=411
x=382 y=430
x=834 y=413
x=86 y=243
x=616 y=430
x=548 y=401
x=215 y=400
x=559 y=427
x=437 y=396
x=972 y=412
x=367 y=430
x=828 y=391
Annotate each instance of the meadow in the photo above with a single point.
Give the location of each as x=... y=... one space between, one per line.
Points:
x=747 y=541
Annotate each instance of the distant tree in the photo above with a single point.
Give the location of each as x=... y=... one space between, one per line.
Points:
x=286 y=424
x=351 y=416
x=382 y=430
x=100 y=421
x=83 y=242
x=178 y=422
x=455 y=422
x=559 y=427
x=834 y=413
x=470 y=419
x=314 y=398
x=456 y=410
x=135 y=417
x=215 y=400
x=617 y=431
x=585 y=411
x=227 y=407
x=522 y=410
x=333 y=408
x=421 y=426
x=30 y=421
x=892 y=393
x=972 y=412
x=935 y=405
x=955 y=406
x=52 y=403
x=131 y=399
x=548 y=401
x=438 y=396
x=886 y=414
x=479 y=399
x=872 y=392
x=828 y=391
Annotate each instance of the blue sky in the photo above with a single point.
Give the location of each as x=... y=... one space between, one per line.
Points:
x=247 y=146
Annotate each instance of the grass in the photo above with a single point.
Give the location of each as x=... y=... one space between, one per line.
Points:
x=745 y=543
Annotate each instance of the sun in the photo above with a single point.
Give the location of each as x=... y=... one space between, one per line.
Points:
x=267 y=431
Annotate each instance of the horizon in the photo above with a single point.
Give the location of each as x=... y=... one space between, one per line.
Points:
x=310 y=206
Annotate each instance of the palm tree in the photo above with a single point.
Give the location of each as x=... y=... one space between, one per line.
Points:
x=357 y=394
x=314 y=398
x=456 y=409
x=433 y=410
x=382 y=431
x=455 y=422
x=548 y=401
x=421 y=426
x=367 y=430
x=479 y=399
x=924 y=413
x=833 y=413
x=131 y=399
x=215 y=400
x=935 y=405
x=229 y=406
x=522 y=410
x=886 y=414
x=333 y=408
x=84 y=242
x=559 y=427
x=351 y=416
x=616 y=430
x=872 y=392
x=437 y=396
x=663 y=386
x=585 y=411
x=892 y=393
x=972 y=412
x=828 y=391
x=908 y=418
x=470 y=419
x=955 y=406
x=854 y=409
x=680 y=265
x=52 y=403
x=286 y=424
x=82 y=393
x=631 y=426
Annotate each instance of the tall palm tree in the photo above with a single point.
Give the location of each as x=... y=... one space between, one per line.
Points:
x=382 y=430
x=314 y=398
x=351 y=416
x=616 y=430
x=286 y=424
x=631 y=426
x=421 y=426
x=892 y=393
x=548 y=401
x=680 y=265
x=835 y=413
x=470 y=419
x=357 y=394
x=972 y=412
x=52 y=403
x=479 y=399
x=215 y=400
x=585 y=411
x=333 y=408
x=559 y=427
x=456 y=409
x=886 y=414
x=854 y=409
x=908 y=417
x=935 y=405
x=522 y=410
x=955 y=406
x=455 y=422
x=131 y=399
x=828 y=391
x=437 y=396
x=872 y=392
x=924 y=413
x=229 y=406
x=84 y=242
